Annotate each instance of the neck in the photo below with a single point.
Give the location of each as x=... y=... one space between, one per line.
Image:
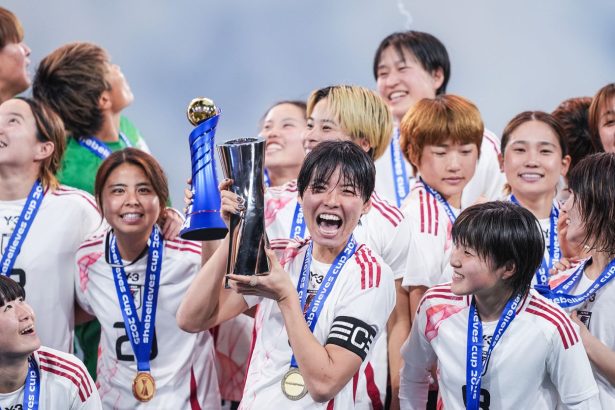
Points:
x=280 y=176
x=600 y=260
x=453 y=200
x=110 y=130
x=539 y=205
x=16 y=183
x=13 y=372
x=491 y=305
x=325 y=254
x=131 y=245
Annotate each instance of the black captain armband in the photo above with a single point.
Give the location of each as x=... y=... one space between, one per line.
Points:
x=352 y=334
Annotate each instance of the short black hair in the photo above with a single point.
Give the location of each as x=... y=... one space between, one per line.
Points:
x=591 y=182
x=355 y=165
x=503 y=233
x=428 y=50
x=10 y=290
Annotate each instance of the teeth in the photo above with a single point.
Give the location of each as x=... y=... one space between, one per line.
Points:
x=131 y=217
x=273 y=147
x=330 y=217
x=397 y=94
x=531 y=176
x=27 y=329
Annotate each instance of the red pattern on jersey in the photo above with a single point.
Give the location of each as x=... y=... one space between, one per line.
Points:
x=273 y=206
x=183 y=249
x=370 y=268
x=183 y=245
x=84 y=264
x=429 y=211
x=194 y=399
x=372 y=389
x=491 y=138
x=389 y=211
x=63 y=191
x=561 y=322
x=439 y=292
x=436 y=315
x=67 y=369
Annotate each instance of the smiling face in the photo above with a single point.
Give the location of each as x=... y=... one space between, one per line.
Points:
x=533 y=161
x=575 y=232
x=322 y=126
x=283 y=129
x=129 y=202
x=402 y=81
x=18 y=336
x=332 y=211
x=473 y=274
x=447 y=168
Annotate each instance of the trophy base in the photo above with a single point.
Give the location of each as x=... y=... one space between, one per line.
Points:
x=206 y=226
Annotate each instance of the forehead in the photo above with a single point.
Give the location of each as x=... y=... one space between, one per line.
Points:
x=16 y=106
x=282 y=111
x=396 y=54
x=609 y=107
x=534 y=131
x=127 y=173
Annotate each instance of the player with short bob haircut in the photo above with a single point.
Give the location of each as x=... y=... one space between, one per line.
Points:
x=317 y=293
x=35 y=376
x=487 y=331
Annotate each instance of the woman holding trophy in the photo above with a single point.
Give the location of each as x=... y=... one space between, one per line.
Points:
x=325 y=300
x=132 y=279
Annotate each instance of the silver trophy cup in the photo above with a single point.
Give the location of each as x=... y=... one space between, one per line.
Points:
x=242 y=160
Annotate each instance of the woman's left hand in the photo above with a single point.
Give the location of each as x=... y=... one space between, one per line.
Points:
x=172 y=224
x=275 y=285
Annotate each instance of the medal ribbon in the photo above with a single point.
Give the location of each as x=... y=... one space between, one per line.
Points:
x=318 y=302
x=542 y=274
x=298 y=227
x=565 y=300
x=99 y=148
x=32 y=387
x=24 y=222
x=447 y=208
x=266 y=178
x=400 y=177
x=475 y=366
x=140 y=332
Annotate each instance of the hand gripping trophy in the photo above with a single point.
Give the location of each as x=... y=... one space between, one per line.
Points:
x=203 y=221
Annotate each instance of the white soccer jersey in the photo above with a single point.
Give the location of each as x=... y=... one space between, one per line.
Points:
x=182 y=364
x=431 y=245
x=539 y=358
x=233 y=342
x=386 y=231
x=45 y=266
x=364 y=292
x=488 y=180
x=597 y=314
x=64 y=384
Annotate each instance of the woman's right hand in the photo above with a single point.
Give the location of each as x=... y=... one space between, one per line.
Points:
x=231 y=203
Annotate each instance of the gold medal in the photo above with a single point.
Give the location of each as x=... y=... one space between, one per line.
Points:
x=293 y=385
x=143 y=387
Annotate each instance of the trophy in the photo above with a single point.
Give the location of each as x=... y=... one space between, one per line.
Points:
x=203 y=221
x=242 y=161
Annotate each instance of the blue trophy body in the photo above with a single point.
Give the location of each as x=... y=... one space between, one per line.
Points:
x=203 y=221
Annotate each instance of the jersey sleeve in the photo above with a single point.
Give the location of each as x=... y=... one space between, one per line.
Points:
x=571 y=373
x=362 y=313
x=395 y=253
x=418 y=358
x=87 y=398
x=84 y=259
x=426 y=260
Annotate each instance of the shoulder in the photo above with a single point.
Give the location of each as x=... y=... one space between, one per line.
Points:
x=180 y=246
x=553 y=318
x=372 y=270
x=385 y=211
x=442 y=294
x=74 y=196
x=424 y=211
x=491 y=142
x=93 y=243
x=439 y=303
x=65 y=368
x=288 y=249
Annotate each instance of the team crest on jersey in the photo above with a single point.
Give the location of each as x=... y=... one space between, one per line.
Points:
x=136 y=291
x=7 y=227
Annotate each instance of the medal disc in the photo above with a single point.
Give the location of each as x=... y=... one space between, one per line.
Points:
x=293 y=385
x=143 y=387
